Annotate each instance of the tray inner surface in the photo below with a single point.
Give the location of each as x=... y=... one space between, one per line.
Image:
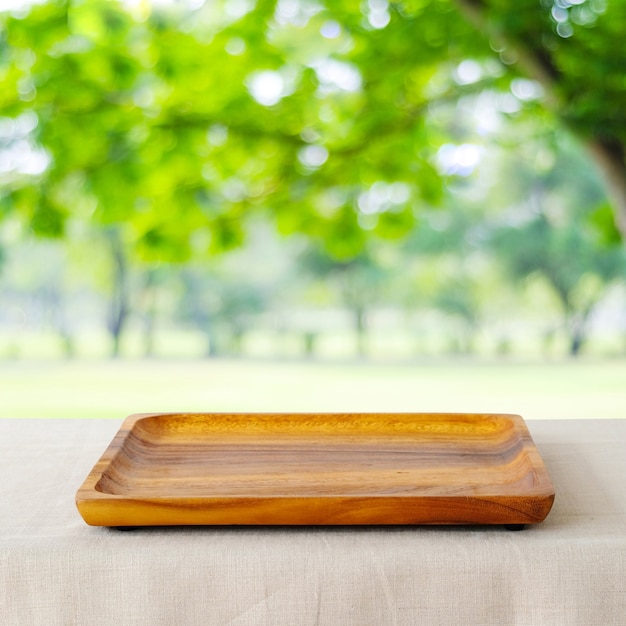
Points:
x=274 y=456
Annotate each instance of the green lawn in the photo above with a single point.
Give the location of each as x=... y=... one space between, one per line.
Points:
x=99 y=388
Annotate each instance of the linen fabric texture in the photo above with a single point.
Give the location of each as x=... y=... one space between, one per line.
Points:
x=56 y=570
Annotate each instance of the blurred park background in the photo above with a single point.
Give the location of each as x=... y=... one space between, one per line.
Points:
x=309 y=205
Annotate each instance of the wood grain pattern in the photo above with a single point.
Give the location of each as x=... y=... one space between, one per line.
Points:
x=417 y=468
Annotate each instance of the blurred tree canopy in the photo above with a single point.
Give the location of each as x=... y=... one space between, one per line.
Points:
x=170 y=125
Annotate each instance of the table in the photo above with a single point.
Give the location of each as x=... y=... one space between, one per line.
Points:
x=54 y=569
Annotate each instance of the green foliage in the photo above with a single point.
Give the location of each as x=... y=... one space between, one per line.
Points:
x=359 y=284
x=204 y=116
x=179 y=128
x=564 y=251
x=177 y=122
x=602 y=221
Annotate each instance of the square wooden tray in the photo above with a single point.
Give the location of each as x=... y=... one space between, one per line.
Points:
x=301 y=469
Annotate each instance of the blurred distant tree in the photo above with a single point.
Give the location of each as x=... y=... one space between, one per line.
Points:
x=41 y=287
x=570 y=259
x=221 y=306
x=459 y=299
x=541 y=207
x=359 y=285
x=552 y=223
x=119 y=304
x=445 y=269
x=240 y=302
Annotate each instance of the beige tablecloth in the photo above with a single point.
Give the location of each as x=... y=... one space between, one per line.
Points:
x=54 y=569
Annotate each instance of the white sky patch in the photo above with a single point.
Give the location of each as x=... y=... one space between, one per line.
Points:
x=235 y=46
x=330 y=30
x=564 y=29
x=508 y=103
x=459 y=160
x=378 y=15
x=313 y=156
x=23 y=157
x=18 y=6
x=188 y=4
x=217 y=135
x=559 y=14
x=19 y=127
x=486 y=116
x=524 y=89
x=310 y=135
x=381 y=197
x=487 y=122
x=267 y=88
x=336 y=75
x=19 y=154
x=236 y=9
x=468 y=72
x=296 y=12
x=234 y=190
x=144 y=97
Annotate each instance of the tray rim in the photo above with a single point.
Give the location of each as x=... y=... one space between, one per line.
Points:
x=88 y=499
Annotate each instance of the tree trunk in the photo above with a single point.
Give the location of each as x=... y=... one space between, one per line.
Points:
x=150 y=313
x=148 y=333
x=360 y=326
x=60 y=322
x=579 y=325
x=237 y=336
x=119 y=306
x=213 y=342
x=576 y=343
x=309 y=341
x=577 y=334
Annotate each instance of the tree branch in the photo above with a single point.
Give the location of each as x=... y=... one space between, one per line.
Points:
x=535 y=61
x=608 y=152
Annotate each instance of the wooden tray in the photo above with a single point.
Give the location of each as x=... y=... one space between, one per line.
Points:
x=293 y=469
